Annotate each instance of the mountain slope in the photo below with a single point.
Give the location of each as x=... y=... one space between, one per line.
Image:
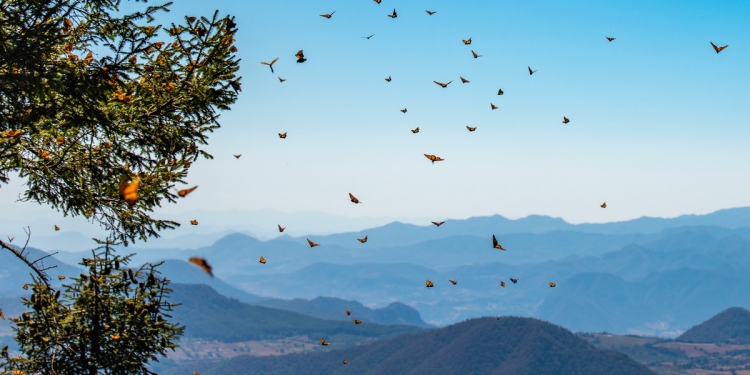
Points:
x=14 y=273
x=505 y=346
x=182 y=272
x=729 y=326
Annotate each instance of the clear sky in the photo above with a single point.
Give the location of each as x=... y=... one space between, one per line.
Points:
x=659 y=123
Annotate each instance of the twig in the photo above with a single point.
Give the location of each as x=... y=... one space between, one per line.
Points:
x=39 y=271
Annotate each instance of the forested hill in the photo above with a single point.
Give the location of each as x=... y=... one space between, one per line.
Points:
x=504 y=346
x=729 y=326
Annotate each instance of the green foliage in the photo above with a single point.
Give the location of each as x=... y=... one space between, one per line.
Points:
x=113 y=320
x=89 y=96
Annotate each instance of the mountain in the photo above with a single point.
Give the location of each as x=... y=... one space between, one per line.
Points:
x=14 y=273
x=731 y=326
x=211 y=316
x=330 y=308
x=182 y=272
x=501 y=346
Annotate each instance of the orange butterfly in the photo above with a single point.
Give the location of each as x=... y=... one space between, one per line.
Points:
x=377 y=1
x=429 y=284
x=280 y=228
x=430 y=13
x=353 y=199
x=345 y=361
x=388 y=79
x=494 y=107
x=61 y=277
x=464 y=80
x=282 y=79
x=495 y=244
x=433 y=158
x=475 y=54
x=57 y=228
x=443 y=85
x=552 y=285
x=237 y=156
x=610 y=39
x=438 y=223
x=454 y=282
x=10 y=239
x=348 y=312
x=718 y=49
x=129 y=191
x=300 y=56
x=115 y=336
x=565 y=120
x=324 y=342
x=466 y=41
x=470 y=128
x=531 y=71
x=403 y=110
x=513 y=280
x=200 y=262
x=2 y=316
x=500 y=92
x=502 y=284
x=328 y=15
x=415 y=131
x=362 y=240
x=184 y=192
x=282 y=135
x=270 y=65
x=603 y=205
x=356 y=321
x=262 y=260
x=193 y=222
x=312 y=244
x=393 y=15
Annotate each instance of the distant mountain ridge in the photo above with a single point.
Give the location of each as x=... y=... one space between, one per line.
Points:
x=731 y=326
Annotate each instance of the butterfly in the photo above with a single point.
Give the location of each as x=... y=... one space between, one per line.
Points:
x=531 y=71
x=429 y=284
x=270 y=65
x=494 y=107
x=368 y=37
x=300 y=57
x=324 y=342
x=282 y=135
x=433 y=158
x=610 y=39
x=552 y=285
x=345 y=361
x=403 y=110
x=502 y=284
x=312 y=244
x=464 y=80
x=500 y=92
x=415 y=131
x=129 y=190
x=57 y=228
x=237 y=156
x=200 y=262
x=348 y=312
x=377 y=1
x=26 y=286
x=61 y=277
x=282 y=79
x=10 y=239
x=281 y=229
x=362 y=240
x=429 y=12
x=328 y=15
x=565 y=120
x=262 y=260
x=718 y=49
x=466 y=41
x=495 y=244
x=475 y=54
x=353 y=198
x=603 y=205
x=438 y=223
x=513 y=280
x=443 y=85
x=45 y=339
x=2 y=316
x=193 y=222
x=115 y=336
x=356 y=321
x=470 y=128
x=454 y=282
x=388 y=79
x=184 y=192
x=393 y=15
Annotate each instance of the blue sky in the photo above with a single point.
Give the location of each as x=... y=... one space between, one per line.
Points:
x=658 y=121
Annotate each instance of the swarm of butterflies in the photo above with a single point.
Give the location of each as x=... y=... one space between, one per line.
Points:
x=129 y=188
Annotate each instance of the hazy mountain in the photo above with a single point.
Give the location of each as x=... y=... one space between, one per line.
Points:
x=14 y=273
x=182 y=272
x=731 y=326
x=504 y=346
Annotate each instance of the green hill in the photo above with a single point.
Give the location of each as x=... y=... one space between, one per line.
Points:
x=729 y=326
x=505 y=346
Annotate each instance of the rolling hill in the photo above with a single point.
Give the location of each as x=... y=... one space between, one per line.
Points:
x=731 y=326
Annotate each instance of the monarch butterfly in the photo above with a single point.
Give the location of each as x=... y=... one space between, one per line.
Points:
x=356 y=321
x=312 y=244
x=443 y=85
x=281 y=229
x=353 y=199
x=388 y=79
x=403 y=110
x=466 y=41
x=610 y=39
x=438 y=223
x=193 y=222
x=454 y=282
x=429 y=12
x=282 y=79
x=415 y=131
x=429 y=284
x=470 y=128
x=603 y=205
x=475 y=54
x=324 y=342
x=57 y=228
x=531 y=71
x=433 y=158
x=464 y=80
x=565 y=120
x=494 y=107
x=262 y=260
x=552 y=285
x=328 y=15
x=495 y=244
x=115 y=336
x=45 y=339
x=348 y=312
x=362 y=240
x=237 y=156
x=345 y=361
x=61 y=277
x=184 y=192
x=394 y=14
x=203 y=264
x=10 y=239
x=2 y=316
x=300 y=56
x=377 y=1
x=16 y=372
x=60 y=141
x=502 y=284
x=25 y=286
x=718 y=49
x=500 y=92
x=513 y=280
x=282 y=135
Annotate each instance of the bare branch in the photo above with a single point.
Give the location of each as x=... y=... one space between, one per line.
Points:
x=20 y=255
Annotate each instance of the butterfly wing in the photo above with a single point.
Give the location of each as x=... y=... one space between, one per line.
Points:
x=514 y=280
x=494 y=241
x=203 y=264
x=184 y=192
